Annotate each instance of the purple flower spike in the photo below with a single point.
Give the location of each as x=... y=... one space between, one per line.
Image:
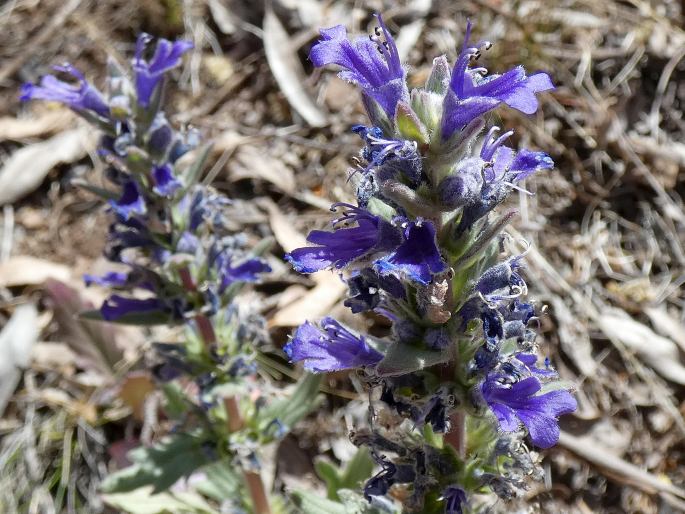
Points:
x=345 y=245
x=472 y=94
x=166 y=184
x=331 y=348
x=80 y=97
x=149 y=74
x=117 y=306
x=371 y=63
x=418 y=256
x=110 y=279
x=518 y=402
x=131 y=201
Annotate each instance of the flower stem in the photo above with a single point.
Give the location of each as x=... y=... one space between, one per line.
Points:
x=456 y=437
x=260 y=501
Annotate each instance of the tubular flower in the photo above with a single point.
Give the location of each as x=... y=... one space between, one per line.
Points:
x=148 y=74
x=343 y=246
x=371 y=63
x=418 y=256
x=131 y=201
x=166 y=184
x=80 y=97
x=472 y=94
x=518 y=403
x=330 y=348
x=115 y=307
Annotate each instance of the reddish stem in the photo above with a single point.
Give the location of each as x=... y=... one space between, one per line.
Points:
x=235 y=421
x=206 y=329
x=260 y=501
x=187 y=279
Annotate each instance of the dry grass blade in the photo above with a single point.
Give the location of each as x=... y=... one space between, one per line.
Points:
x=658 y=352
x=288 y=71
x=25 y=270
x=616 y=467
x=314 y=304
x=48 y=123
x=666 y=325
x=254 y=162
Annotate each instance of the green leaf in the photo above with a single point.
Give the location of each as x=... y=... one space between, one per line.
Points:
x=105 y=194
x=330 y=474
x=176 y=401
x=160 y=466
x=358 y=469
x=137 y=160
x=428 y=108
x=403 y=358
x=289 y=411
x=144 y=501
x=382 y=209
x=144 y=319
x=221 y=481
x=192 y=174
x=409 y=125
x=312 y=503
x=263 y=246
x=557 y=385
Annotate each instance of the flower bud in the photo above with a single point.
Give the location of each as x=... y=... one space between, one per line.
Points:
x=439 y=78
x=463 y=187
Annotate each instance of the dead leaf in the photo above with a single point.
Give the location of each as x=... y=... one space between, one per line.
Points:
x=22 y=128
x=93 y=341
x=252 y=162
x=16 y=342
x=288 y=71
x=59 y=399
x=24 y=270
x=408 y=36
x=660 y=353
x=313 y=305
x=27 y=167
x=666 y=325
x=285 y=233
x=134 y=390
x=51 y=355
x=574 y=338
x=223 y=17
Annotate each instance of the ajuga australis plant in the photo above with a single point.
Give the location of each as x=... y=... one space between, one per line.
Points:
x=177 y=262
x=460 y=396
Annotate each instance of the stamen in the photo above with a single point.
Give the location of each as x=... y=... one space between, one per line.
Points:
x=518 y=188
